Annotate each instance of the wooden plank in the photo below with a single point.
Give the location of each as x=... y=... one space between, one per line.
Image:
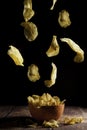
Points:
x=80 y=126
x=16 y=128
x=22 y=111
x=5 y=111
x=72 y=111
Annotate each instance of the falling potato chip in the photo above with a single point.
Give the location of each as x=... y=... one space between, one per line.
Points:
x=14 y=53
x=80 y=53
x=33 y=73
x=28 y=14
x=28 y=4
x=54 y=47
x=52 y=7
x=30 y=30
x=64 y=19
x=51 y=82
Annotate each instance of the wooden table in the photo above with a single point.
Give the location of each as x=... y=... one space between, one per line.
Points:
x=19 y=118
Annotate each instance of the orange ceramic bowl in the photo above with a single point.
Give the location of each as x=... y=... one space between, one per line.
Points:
x=46 y=112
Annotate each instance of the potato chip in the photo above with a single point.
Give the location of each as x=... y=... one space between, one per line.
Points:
x=44 y=100
x=80 y=53
x=35 y=96
x=72 y=120
x=64 y=19
x=28 y=4
x=14 y=53
x=28 y=12
x=30 y=30
x=51 y=123
x=30 y=99
x=52 y=7
x=51 y=82
x=44 y=96
x=54 y=47
x=33 y=73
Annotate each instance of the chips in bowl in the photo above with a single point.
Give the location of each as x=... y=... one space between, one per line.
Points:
x=45 y=107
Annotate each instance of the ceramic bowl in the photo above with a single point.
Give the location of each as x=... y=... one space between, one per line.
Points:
x=46 y=112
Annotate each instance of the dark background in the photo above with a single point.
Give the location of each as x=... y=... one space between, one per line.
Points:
x=71 y=77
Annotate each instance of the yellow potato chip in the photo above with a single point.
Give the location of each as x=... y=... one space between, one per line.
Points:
x=28 y=4
x=30 y=30
x=51 y=82
x=33 y=73
x=76 y=48
x=44 y=100
x=54 y=2
x=54 y=47
x=28 y=12
x=64 y=19
x=14 y=53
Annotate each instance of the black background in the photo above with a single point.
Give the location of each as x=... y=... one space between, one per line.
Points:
x=71 y=76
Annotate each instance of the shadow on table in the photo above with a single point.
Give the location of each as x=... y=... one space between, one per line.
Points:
x=28 y=122
x=18 y=122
